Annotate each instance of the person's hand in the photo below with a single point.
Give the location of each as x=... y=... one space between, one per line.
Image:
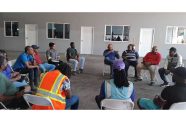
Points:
x=167 y=71
x=18 y=77
x=172 y=69
x=147 y=64
x=19 y=94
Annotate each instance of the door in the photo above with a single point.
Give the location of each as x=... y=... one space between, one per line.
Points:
x=146 y=41
x=31 y=34
x=87 y=40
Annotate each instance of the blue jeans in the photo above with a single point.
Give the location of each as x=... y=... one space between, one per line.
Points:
x=72 y=103
x=20 y=84
x=46 y=67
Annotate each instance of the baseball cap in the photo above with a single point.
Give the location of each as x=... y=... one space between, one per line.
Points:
x=35 y=47
x=181 y=72
x=119 y=65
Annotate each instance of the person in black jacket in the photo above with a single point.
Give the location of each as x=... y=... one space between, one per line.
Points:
x=170 y=95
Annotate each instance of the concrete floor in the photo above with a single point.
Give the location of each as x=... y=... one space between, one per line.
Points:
x=87 y=85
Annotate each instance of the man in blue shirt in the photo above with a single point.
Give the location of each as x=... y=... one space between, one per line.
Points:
x=110 y=55
x=25 y=64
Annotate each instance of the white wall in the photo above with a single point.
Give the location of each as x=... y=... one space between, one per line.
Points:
x=159 y=21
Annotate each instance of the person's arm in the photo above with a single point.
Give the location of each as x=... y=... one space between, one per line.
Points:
x=16 y=78
x=48 y=57
x=137 y=55
x=180 y=61
x=4 y=98
x=124 y=55
x=106 y=52
x=166 y=62
x=117 y=54
x=133 y=95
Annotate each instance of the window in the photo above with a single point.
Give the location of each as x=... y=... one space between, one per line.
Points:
x=59 y=31
x=11 y=28
x=117 y=33
x=175 y=35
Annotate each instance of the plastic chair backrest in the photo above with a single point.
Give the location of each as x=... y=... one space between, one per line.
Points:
x=178 y=106
x=37 y=100
x=114 y=104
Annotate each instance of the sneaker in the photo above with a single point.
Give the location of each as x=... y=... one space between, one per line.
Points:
x=139 y=78
x=164 y=85
x=151 y=83
x=81 y=70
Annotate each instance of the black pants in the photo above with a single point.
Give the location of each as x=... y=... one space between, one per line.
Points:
x=131 y=63
x=163 y=74
x=110 y=63
x=16 y=103
x=33 y=75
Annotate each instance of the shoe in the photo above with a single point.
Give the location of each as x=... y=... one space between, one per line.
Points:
x=81 y=70
x=164 y=85
x=139 y=78
x=74 y=73
x=151 y=83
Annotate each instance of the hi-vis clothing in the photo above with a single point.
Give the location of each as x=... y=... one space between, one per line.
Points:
x=50 y=86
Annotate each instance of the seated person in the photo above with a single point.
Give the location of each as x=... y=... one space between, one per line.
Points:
x=172 y=61
x=10 y=96
x=44 y=67
x=56 y=86
x=170 y=94
x=150 y=62
x=52 y=55
x=130 y=58
x=15 y=77
x=110 y=56
x=25 y=64
x=73 y=57
x=53 y=58
x=120 y=87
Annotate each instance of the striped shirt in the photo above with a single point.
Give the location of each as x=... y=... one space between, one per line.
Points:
x=130 y=55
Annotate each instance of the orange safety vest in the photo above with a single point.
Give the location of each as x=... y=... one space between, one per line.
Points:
x=50 y=86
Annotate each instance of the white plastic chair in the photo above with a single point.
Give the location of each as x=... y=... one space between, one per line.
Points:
x=106 y=69
x=178 y=106
x=38 y=100
x=114 y=104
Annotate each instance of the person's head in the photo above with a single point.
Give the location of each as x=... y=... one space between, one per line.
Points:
x=35 y=47
x=110 y=47
x=72 y=45
x=51 y=45
x=179 y=75
x=3 y=53
x=120 y=77
x=130 y=47
x=172 y=51
x=3 y=63
x=154 y=49
x=29 y=50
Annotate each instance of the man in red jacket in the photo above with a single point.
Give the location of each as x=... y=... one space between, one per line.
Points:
x=150 y=62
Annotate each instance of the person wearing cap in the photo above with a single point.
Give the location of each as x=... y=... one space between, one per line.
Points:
x=172 y=61
x=117 y=88
x=170 y=94
x=44 y=67
x=150 y=62
x=110 y=56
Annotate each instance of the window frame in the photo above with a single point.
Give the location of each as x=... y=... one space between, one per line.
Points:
x=11 y=28
x=166 y=36
x=111 y=33
x=53 y=31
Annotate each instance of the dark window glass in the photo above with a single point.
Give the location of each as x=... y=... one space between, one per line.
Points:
x=58 y=30
x=67 y=31
x=50 y=30
x=8 y=28
x=15 y=28
x=108 y=30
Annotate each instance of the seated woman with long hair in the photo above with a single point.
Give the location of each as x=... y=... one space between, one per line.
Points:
x=117 y=88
